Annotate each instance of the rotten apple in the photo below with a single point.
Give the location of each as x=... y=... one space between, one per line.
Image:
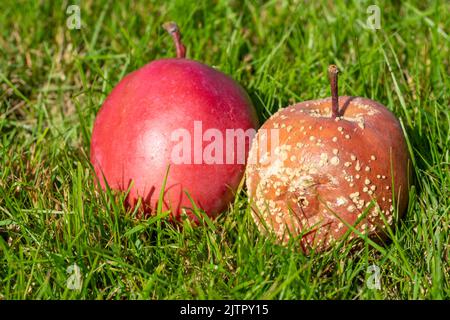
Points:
x=337 y=165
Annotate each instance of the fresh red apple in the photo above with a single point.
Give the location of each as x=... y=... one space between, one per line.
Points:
x=160 y=115
x=337 y=165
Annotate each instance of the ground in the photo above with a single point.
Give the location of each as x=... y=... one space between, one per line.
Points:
x=60 y=238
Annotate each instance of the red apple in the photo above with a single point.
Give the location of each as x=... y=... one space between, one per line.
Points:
x=339 y=165
x=138 y=133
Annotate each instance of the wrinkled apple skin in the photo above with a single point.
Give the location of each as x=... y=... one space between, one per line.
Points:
x=131 y=138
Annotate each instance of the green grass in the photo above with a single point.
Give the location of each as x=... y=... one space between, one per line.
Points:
x=53 y=81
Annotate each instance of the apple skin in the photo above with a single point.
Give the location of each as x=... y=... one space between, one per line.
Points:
x=131 y=138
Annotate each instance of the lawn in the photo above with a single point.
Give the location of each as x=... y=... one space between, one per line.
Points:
x=62 y=239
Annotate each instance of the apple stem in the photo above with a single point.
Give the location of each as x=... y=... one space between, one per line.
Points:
x=333 y=76
x=172 y=28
